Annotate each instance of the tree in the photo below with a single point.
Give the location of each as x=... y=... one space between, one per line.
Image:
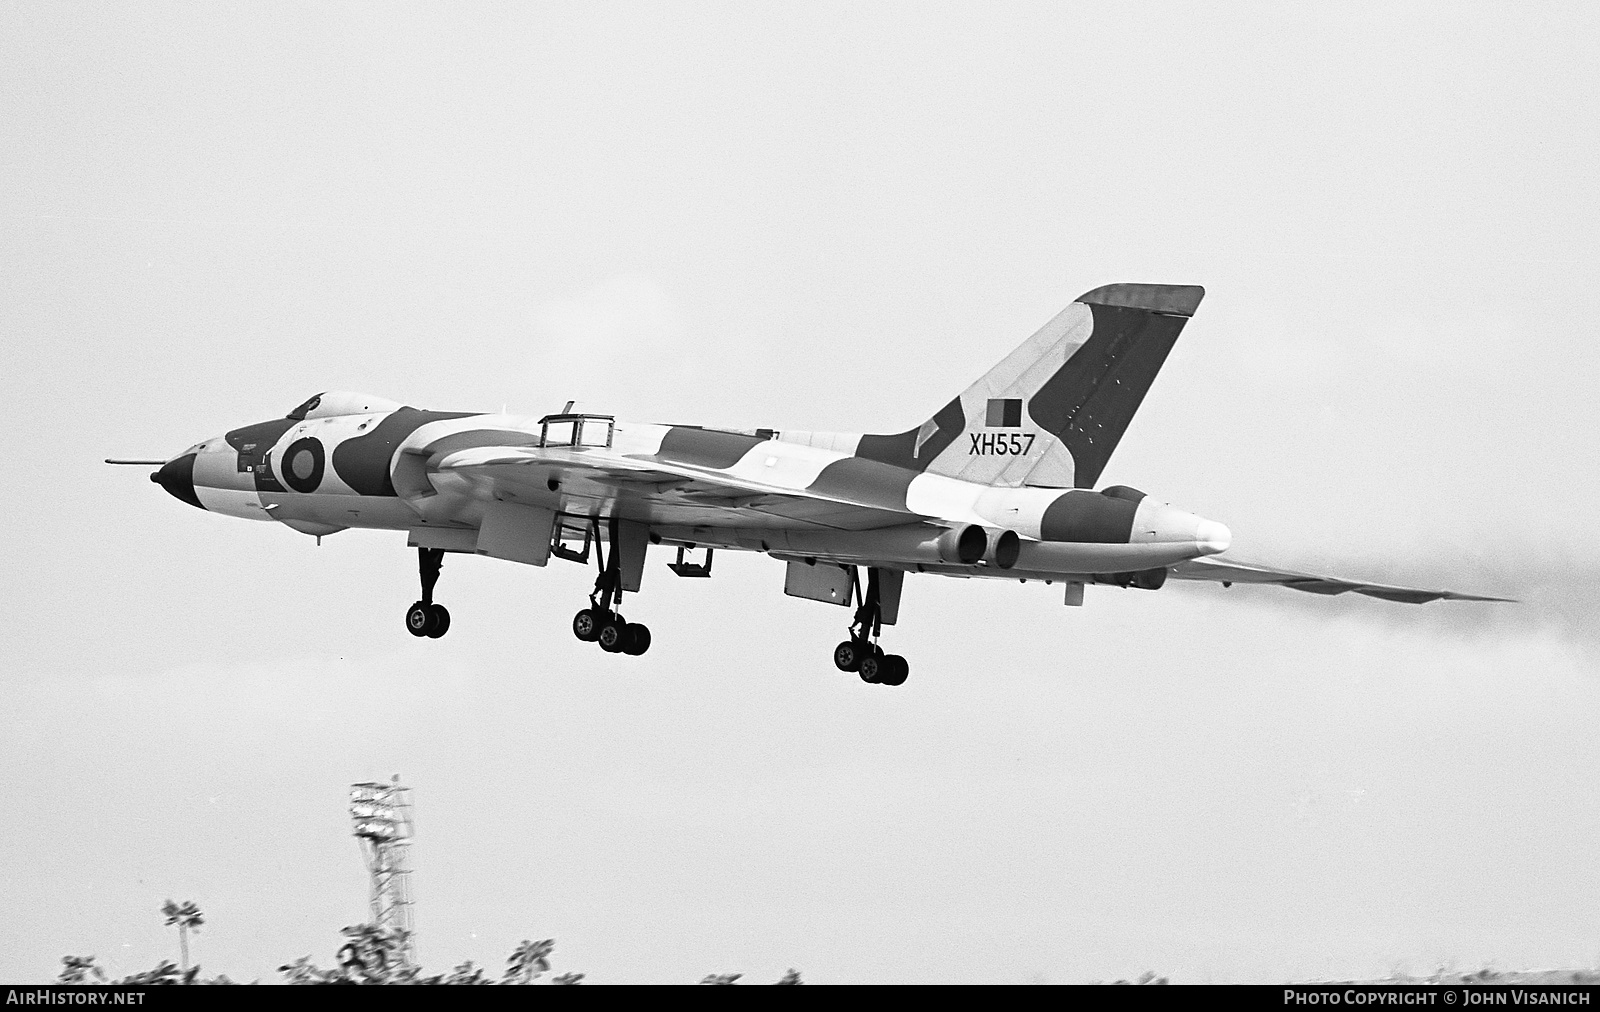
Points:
x=303 y=971
x=467 y=973
x=188 y=918
x=164 y=973
x=528 y=960
x=78 y=970
x=372 y=954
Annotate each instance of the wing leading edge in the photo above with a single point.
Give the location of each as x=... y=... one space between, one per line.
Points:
x=1217 y=569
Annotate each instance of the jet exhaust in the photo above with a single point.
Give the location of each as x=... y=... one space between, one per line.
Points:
x=965 y=545
x=1003 y=550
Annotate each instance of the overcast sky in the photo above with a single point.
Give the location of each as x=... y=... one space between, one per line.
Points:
x=809 y=216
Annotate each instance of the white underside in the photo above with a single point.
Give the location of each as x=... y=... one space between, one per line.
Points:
x=232 y=502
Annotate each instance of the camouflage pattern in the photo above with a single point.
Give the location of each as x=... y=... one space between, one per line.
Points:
x=1017 y=451
x=997 y=483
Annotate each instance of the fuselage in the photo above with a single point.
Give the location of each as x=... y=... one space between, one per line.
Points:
x=351 y=461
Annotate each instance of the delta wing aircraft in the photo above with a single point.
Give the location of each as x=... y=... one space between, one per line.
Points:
x=999 y=483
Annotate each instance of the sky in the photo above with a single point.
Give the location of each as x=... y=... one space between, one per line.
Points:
x=811 y=216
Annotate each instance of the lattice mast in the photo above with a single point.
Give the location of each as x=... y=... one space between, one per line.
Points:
x=381 y=814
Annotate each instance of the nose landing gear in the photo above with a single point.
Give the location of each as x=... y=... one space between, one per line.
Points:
x=600 y=622
x=424 y=618
x=861 y=653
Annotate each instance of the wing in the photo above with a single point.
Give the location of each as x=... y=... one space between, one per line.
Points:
x=1228 y=571
x=655 y=491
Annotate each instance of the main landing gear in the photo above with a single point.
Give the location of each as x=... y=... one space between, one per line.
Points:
x=426 y=618
x=861 y=653
x=600 y=622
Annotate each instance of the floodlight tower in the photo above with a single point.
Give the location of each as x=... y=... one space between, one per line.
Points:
x=381 y=814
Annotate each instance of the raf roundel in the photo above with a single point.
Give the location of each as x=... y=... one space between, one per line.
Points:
x=303 y=463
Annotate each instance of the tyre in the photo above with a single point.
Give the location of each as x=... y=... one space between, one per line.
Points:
x=586 y=625
x=637 y=640
x=872 y=668
x=419 y=619
x=847 y=656
x=613 y=635
x=894 y=670
x=441 y=622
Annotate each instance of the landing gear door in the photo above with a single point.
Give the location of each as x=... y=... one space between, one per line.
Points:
x=633 y=541
x=820 y=581
x=889 y=583
x=515 y=532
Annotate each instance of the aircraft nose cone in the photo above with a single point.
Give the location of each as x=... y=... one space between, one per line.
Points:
x=177 y=477
x=1212 y=537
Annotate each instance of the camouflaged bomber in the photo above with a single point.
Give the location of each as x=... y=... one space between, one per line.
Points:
x=999 y=483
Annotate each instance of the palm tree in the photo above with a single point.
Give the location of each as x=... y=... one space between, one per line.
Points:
x=188 y=918
x=529 y=960
x=78 y=969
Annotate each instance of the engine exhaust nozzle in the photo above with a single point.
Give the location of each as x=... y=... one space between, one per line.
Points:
x=964 y=545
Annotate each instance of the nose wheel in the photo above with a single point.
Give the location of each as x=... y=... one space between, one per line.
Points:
x=861 y=653
x=600 y=622
x=424 y=618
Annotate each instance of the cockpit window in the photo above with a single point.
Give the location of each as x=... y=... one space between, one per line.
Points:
x=299 y=414
x=331 y=403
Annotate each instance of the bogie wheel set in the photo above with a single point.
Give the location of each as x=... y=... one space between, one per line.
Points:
x=861 y=653
x=601 y=622
x=615 y=634
x=870 y=662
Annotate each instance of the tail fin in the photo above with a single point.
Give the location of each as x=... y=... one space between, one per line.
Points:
x=1053 y=410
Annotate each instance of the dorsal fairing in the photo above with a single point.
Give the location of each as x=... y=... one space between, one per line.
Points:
x=332 y=403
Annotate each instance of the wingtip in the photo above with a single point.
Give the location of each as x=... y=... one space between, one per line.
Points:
x=1173 y=300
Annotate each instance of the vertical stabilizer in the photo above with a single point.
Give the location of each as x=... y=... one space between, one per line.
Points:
x=1052 y=411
